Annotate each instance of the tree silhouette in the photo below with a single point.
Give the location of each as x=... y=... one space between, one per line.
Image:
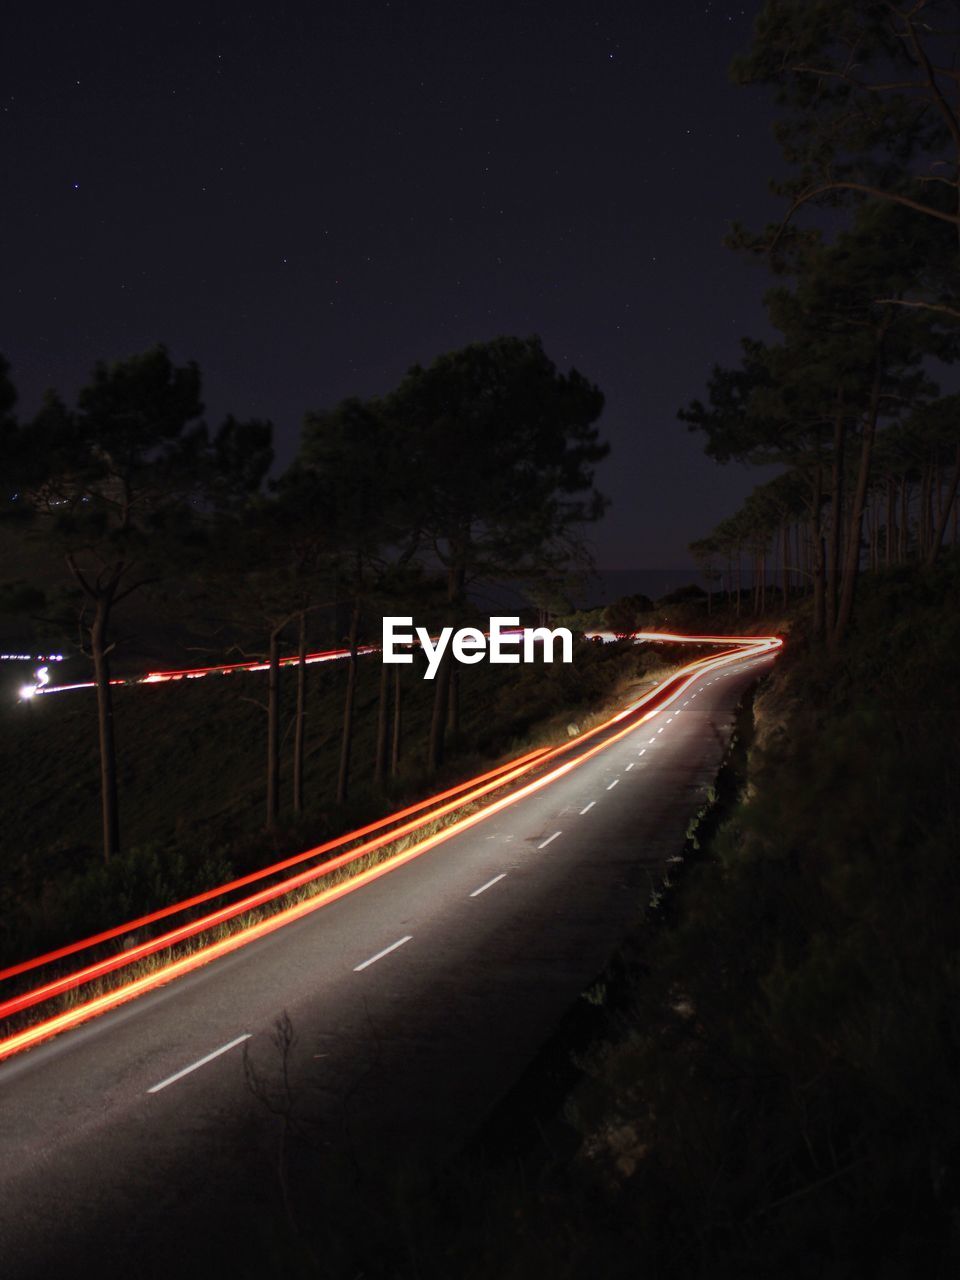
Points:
x=113 y=488
x=502 y=448
x=868 y=98
x=846 y=364
x=364 y=477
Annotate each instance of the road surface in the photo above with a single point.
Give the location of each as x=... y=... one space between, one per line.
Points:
x=164 y=1137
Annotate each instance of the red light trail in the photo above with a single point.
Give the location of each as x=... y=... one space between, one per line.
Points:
x=430 y=809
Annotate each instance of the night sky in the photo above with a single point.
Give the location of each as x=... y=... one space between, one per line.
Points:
x=306 y=199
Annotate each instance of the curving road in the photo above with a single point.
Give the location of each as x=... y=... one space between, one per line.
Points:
x=140 y=1145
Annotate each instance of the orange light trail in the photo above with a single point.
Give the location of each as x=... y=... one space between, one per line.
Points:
x=275 y=868
x=655 y=701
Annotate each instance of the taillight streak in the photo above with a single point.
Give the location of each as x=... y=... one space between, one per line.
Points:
x=660 y=698
x=162 y=913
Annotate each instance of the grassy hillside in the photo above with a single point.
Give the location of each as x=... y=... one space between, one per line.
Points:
x=191 y=775
x=769 y=1084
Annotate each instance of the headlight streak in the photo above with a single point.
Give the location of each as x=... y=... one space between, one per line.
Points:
x=477 y=783
x=224 y=669
x=662 y=697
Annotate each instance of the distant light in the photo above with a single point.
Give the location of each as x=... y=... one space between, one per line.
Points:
x=28 y=691
x=31 y=657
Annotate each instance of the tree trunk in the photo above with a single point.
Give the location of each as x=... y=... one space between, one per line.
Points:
x=903 y=541
x=346 y=741
x=301 y=715
x=273 y=729
x=852 y=566
x=383 y=726
x=439 y=717
x=874 y=536
x=836 y=516
x=100 y=651
x=763 y=580
x=923 y=515
x=785 y=561
x=817 y=555
x=453 y=705
x=397 y=707
x=948 y=503
x=442 y=680
x=891 y=521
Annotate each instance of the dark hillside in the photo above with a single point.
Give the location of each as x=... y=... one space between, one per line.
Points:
x=770 y=1087
x=191 y=759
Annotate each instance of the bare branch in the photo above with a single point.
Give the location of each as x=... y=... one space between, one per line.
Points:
x=78 y=574
x=877 y=192
x=827 y=74
x=921 y=306
x=923 y=61
x=128 y=591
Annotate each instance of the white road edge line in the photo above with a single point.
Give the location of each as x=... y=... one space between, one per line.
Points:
x=202 y=1062
x=588 y=808
x=380 y=954
x=613 y=784
x=549 y=840
x=484 y=887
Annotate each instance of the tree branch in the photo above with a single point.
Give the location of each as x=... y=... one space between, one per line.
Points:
x=921 y=55
x=827 y=74
x=128 y=591
x=920 y=306
x=877 y=192
x=78 y=574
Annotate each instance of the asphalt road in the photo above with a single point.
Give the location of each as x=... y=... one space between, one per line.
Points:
x=413 y=1004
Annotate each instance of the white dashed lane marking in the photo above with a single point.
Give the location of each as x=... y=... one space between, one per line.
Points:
x=201 y=1062
x=484 y=887
x=380 y=954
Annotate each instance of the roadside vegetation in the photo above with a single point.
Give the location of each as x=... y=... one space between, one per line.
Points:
x=191 y=781
x=764 y=1080
x=476 y=469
